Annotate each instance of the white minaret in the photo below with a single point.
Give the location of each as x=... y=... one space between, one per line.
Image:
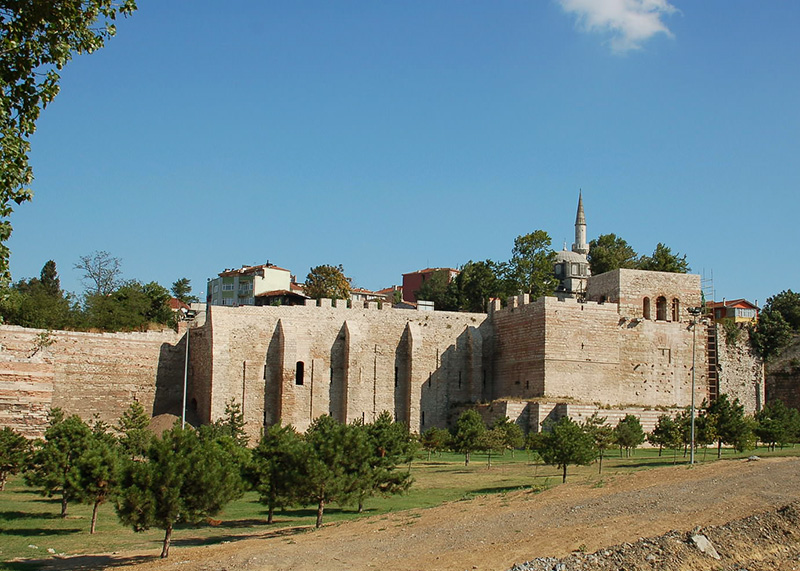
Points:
x=580 y=246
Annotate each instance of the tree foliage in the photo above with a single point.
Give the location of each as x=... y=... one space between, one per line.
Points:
x=95 y=476
x=609 y=252
x=37 y=38
x=629 y=434
x=730 y=424
x=134 y=429
x=467 y=434
x=39 y=302
x=566 y=443
x=14 y=449
x=663 y=260
x=182 y=291
x=787 y=304
x=777 y=424
x=435 y=440
x=54 y=460
x=441 y=290
x=232 y=423
x=183 y=478
x=327 y=282
x=666 y=433
x=602 y=435
x=132 y=306
x=530 y=269
x=102 y=272
x=770 y=334
x=277 y=465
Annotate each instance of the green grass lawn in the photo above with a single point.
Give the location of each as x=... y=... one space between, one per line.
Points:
x=30 y=525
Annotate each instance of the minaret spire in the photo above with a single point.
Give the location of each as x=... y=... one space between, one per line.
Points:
x=580 y=246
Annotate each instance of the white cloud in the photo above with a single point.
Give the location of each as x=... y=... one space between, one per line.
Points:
x=630 y=22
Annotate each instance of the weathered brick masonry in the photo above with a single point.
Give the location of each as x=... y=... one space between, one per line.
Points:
x=86 y=374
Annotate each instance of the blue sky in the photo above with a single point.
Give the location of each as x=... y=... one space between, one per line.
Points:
x=391 y=136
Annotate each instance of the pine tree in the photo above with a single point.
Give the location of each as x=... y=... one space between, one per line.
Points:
x=232 y=422
x=182 y=478
x=54 y=460
x=730 y=424
x=566 y=443
x=333 y=463
x=435 y=440
x=134 y=427
x=96 y=474
x=777 y=424
x=14 y=449
x=468 y=433
x=666 y=433
x=277 y=466
x=629 y=434
x=390 y=445
x=602 y=435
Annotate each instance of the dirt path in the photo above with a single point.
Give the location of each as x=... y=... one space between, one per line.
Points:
x=495 y=532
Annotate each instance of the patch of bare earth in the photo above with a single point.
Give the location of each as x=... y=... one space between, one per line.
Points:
x=499 y=531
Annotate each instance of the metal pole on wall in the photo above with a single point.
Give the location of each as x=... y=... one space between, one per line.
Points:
x=185 y=377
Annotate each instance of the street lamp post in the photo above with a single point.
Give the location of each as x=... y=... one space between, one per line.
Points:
x=695 y=313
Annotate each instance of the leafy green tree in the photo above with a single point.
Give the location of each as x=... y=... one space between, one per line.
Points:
x=777 y=424
x=602 y=435
x=14 y=450
x=327 y=281
x=54 y=460
x=787 y=303
x=133 y=306
x=666 y=433
x=334 y=462
x=628 y=434
x=513 y=437
x=441 y=290
x=95 y=476
x=566 y=443
x=609 y=252
x=183 y=478
x=182 y=291
x=493 y=441
x=730 y=424
x=770 y=334
x=37 y=39
x=530 y=269
x=467 y=435
x=477 y=282
x=278 y=464
x=39 y=303
x=435 y=440
x=663 y=260
x=134 y=429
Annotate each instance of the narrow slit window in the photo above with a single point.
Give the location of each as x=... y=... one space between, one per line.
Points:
x=299 y=373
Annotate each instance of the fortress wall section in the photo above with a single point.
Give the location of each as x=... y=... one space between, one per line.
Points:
x=519 y=351
x=628 y=288
x=741 y=371
x=582 y=351
x=88 y=373
x=656 y=364
x=291 y=364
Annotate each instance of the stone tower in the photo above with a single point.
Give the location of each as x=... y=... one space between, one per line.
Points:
x=580 y=246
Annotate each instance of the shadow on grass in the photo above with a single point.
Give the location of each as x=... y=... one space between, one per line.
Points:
x=38 y=532
x=77 y=562
x=647 y=463
x=14 y=515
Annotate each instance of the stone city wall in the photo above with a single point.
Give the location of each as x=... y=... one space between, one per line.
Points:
x=295 y=363
x=86 y=374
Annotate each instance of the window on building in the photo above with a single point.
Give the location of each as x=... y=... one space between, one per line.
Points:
x=676 y=310
x=646 y=308
x=227 y=287
x=661 y=308
x=299 y=373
